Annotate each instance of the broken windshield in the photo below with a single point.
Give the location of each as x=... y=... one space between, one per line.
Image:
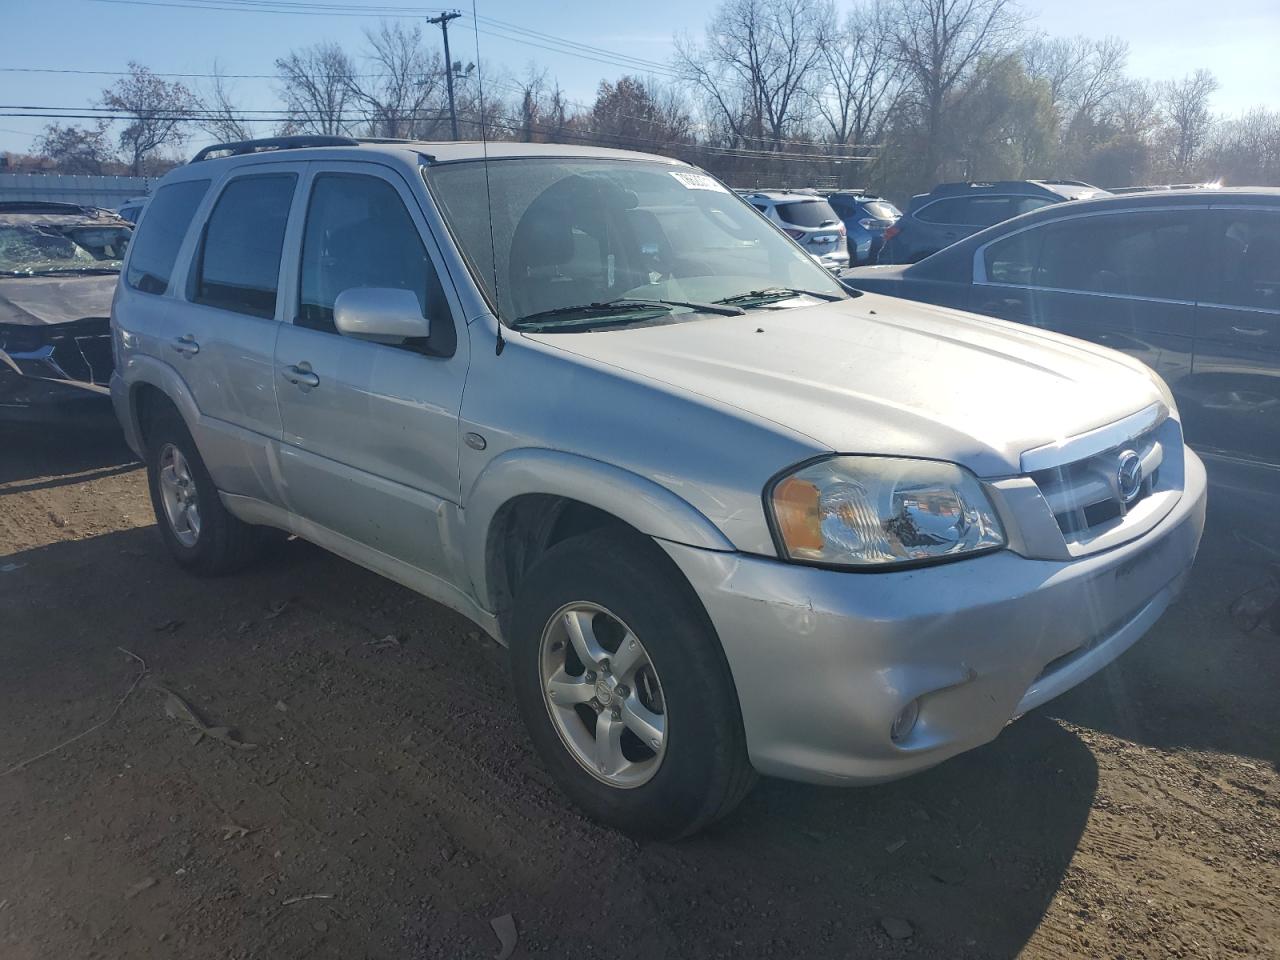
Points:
x=41 y=249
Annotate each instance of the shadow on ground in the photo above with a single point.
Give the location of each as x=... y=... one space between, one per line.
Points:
x=60 y=454
x=396 y=779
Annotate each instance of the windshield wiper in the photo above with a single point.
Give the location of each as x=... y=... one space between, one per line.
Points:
x=622 y=307
x=773 y=294
x=60 y=271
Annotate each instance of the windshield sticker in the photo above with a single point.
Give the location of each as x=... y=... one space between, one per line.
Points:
x=698 y=181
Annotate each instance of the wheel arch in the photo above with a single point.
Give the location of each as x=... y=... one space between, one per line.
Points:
x=151 y=386
x=525 y=501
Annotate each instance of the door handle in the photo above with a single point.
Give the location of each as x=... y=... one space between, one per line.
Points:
x=186 y=345
x=1249 y=331
x=301 y=375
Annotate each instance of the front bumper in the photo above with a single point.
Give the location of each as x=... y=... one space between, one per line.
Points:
x=33 y=399
x=824 y=660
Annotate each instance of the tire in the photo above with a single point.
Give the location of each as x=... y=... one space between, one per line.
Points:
x=619 y=587
x=212 y=542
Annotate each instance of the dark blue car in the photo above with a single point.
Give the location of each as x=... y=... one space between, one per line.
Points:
x=866 y=218
x=1187 y=281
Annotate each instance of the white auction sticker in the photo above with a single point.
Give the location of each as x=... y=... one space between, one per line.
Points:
x=698 y=181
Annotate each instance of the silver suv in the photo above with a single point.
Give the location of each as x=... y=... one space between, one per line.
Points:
x=726 y=516
x=810 y=221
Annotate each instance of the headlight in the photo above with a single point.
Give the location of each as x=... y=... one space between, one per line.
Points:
x=876 y=511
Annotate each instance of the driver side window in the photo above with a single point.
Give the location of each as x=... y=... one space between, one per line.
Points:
x=359 y=234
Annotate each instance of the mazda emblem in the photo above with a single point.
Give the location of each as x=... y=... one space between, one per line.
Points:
x=1129 y=476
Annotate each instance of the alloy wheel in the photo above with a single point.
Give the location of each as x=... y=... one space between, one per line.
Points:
x=603 y=694
x=179 y=496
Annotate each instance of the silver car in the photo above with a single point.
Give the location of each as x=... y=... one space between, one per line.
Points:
x=810 y=221
x=727 y=517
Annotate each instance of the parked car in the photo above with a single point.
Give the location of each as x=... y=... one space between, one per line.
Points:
x=953 y=211
x=727 y=516
x=809 y=220
x=132 y=209
x=58 y=269
x=1186 y=281
x=866 y=218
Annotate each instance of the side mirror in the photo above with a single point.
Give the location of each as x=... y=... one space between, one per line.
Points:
x=381 y=314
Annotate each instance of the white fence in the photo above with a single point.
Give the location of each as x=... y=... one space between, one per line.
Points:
x=91 y=191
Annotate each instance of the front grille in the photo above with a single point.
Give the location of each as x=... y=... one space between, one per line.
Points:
x=1087 y=495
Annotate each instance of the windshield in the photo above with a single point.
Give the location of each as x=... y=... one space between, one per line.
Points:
x=43 y=248
x=572 y=233
x=808 y=213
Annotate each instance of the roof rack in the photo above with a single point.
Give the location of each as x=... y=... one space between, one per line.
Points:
x=241 y=147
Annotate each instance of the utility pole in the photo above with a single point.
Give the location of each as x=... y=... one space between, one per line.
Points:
x=443 y=22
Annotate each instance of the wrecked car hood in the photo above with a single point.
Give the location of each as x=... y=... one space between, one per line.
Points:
x=60 y=299
x=881 y=375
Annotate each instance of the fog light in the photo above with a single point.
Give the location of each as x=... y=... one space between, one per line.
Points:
x=905 y=722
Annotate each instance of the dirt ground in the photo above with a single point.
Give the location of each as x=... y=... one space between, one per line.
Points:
x=391 y=806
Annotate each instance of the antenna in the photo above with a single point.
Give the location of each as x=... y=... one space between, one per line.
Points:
x=488 y=196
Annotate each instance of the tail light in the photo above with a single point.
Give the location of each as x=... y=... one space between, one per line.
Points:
x=891 y=232
x=843 y=232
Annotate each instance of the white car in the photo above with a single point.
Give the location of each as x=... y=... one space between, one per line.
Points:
x=810 y=221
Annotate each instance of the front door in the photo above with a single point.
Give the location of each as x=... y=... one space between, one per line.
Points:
x=370 y=441
x=1236 y=388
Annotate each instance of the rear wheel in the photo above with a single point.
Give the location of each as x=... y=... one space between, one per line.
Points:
x=623 y=685
x=196 y=528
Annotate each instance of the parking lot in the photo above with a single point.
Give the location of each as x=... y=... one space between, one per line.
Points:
x=390 y=806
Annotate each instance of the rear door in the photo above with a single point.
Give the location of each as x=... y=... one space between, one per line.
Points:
x=370 y=443
x=1124 y=279
x=1236 y=384
x=222 y=340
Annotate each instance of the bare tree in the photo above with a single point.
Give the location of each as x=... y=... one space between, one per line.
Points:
x=315 y=84
x=939 y=45
x=758 y=65
x=1247 y=150
x=75 y=149
x=1186 y=104
x=862 y=79
x=219 y=116
x=637 y=113
x=531 y=92
x=158 y=113
x=1133 y=110
x=1083 y=75
x=403 y=79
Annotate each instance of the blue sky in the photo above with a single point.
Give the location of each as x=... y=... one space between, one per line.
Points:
x=1166 y=39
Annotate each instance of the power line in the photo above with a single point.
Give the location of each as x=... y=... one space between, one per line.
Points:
x=514 y=124
x=498 y=29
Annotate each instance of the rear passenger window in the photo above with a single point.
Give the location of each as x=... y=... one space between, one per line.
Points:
x=1138 y=255
x=359 y=234
x=239 y=263
x=1249 y=271
x=155 y=247
x=988 y=211
x=954 y=210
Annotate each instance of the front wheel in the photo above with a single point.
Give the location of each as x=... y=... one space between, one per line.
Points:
x=623 y=685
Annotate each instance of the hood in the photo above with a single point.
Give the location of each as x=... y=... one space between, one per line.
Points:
x=879 y=277
x=40 y=300
x=879 y=375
